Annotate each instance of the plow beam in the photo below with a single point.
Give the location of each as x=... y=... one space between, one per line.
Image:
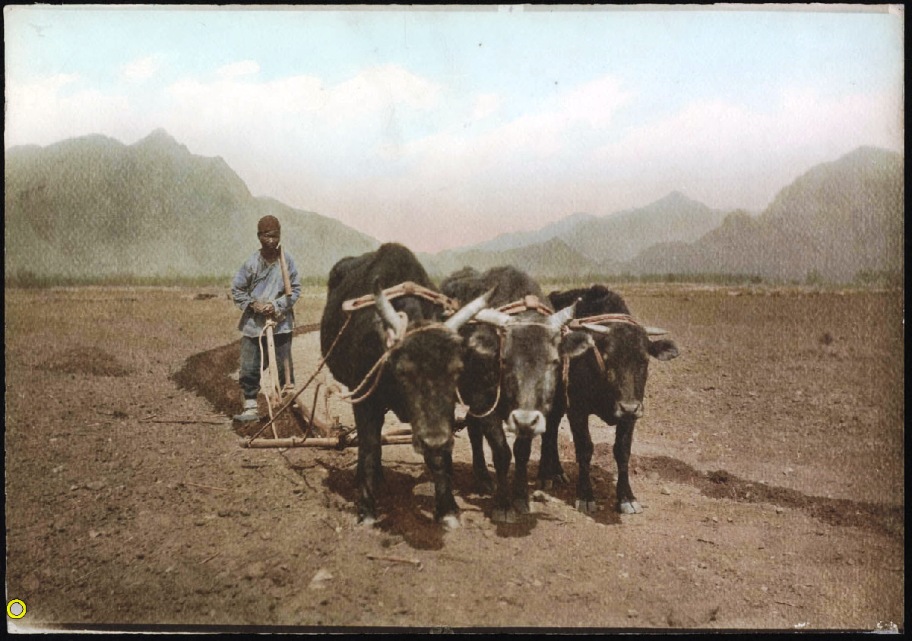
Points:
x=333 y=443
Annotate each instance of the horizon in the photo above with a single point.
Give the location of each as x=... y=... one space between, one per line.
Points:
x=459 y=113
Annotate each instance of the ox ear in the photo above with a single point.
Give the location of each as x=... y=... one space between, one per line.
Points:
x=485 y=343
x=575 y=344
x=663 y=349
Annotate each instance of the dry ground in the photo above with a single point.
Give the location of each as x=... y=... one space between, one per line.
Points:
x=769 y=463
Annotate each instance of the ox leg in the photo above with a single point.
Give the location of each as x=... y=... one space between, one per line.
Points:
x=369 y=423
x=582 y=442
x=440 y=463
x=522 y=448
x=626 y=501
x=483 y=481
x=550 y=470
x=500 y=452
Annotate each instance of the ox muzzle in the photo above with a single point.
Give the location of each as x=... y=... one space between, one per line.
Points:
x=625 y=409
x=526 y=423
x=430 y=444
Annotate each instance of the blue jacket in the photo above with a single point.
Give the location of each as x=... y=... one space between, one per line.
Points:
x=258 y=280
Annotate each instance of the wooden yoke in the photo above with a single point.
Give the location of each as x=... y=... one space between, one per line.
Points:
x=408 y=288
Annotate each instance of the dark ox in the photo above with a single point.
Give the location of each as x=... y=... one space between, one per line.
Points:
x=512 y=369
x=418 y=379
x=609 y=383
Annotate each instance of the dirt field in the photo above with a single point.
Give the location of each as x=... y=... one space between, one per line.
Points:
x=769 y=464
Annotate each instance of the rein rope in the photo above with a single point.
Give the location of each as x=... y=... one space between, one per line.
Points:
x=500 y=348
x=377 y=367
x=320 y=366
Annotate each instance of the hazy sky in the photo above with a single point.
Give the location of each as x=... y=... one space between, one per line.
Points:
x=441 y=127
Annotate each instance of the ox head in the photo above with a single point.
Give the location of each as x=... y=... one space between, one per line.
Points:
x=425 y=360
x=625 y=349
x=529 y=354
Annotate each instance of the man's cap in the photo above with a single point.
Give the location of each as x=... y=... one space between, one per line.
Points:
x=268 y=223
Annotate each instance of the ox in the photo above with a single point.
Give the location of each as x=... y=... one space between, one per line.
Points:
x=611 y=384
x=512 y=368
x=417 y=381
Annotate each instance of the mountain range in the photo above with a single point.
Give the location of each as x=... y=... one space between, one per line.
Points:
x=585 y=244
x=837 y=220
x=91 y=207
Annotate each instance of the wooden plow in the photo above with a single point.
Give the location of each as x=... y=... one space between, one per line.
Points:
x=316 y=432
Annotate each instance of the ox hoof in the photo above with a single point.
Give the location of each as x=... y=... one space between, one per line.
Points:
x=586 y=507
x=484 y=485
x=502 y=515
x=630 y=507
x=450 y=522
x=555 y=479
x=521 y=506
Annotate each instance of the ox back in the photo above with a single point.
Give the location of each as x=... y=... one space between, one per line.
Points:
x=511 y=375
x=611 y=387
x=418 y=380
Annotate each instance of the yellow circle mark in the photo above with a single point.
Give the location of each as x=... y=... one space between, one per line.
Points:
x=15 y=609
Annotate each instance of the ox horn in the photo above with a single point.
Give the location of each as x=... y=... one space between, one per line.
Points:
x=465 y=313
x=603 y=329
x=561 y=318
x=388 y=315
x=493 y=317
x=599 y=329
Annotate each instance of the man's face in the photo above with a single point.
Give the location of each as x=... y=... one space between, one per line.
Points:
x=269 y=240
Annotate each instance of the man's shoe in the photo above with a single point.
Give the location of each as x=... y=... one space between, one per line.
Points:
x=250 y=412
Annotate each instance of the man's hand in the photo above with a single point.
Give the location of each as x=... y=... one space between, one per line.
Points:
x=263 y=308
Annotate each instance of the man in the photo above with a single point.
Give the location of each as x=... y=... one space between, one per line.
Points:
x=258 y=290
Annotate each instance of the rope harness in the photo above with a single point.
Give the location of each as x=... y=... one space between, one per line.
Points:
x=407 y=288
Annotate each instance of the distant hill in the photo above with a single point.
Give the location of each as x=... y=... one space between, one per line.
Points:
x=835 y=221
x=519 y=239
x=553 y=258
x=585 y=244
x=621 y=236
x=92 y=206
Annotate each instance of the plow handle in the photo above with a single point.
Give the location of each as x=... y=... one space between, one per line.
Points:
x=285 y=279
